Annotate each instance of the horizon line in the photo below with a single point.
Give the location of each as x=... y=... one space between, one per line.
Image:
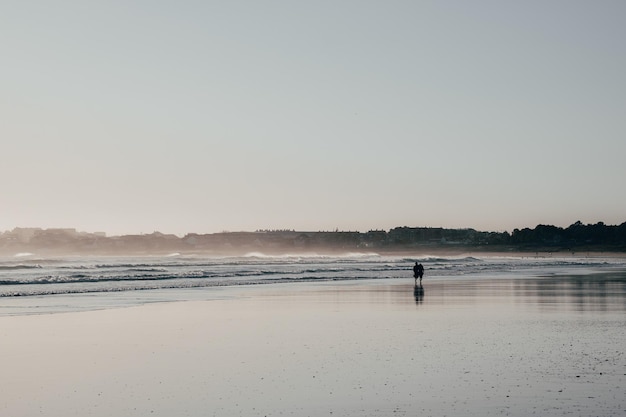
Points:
x=336 y=230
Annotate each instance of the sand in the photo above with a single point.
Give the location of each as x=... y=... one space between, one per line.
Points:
x=462 y=348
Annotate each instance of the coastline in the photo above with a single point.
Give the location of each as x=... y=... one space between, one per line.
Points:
x=578 y=237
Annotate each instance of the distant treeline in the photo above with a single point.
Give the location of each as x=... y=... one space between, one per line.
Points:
x=577 y=237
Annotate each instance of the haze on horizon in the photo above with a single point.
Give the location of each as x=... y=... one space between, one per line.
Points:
x=208 y=116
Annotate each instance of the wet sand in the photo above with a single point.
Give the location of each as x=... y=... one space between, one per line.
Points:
x=463 y=347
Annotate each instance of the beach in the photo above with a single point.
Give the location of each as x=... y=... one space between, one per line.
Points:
x=495 y=346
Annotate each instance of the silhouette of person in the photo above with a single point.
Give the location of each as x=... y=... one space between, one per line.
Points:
x=418 y=272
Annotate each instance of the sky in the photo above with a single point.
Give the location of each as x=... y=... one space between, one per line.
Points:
x=204 y=116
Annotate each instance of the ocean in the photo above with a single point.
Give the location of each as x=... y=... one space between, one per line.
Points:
x=347 y=335
x=174 y=276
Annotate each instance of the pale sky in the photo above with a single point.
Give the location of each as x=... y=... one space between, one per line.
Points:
x=200 y=116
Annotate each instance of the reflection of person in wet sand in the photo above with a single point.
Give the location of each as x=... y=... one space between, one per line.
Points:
x=418 y=292
x=418 y=272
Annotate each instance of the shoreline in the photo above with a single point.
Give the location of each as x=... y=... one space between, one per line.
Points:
x=91 y=300
x=351 y=349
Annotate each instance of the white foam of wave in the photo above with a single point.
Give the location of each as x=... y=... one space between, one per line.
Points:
x=358 y=255
x=312 y=255
x=282 y=256
x=23 y=254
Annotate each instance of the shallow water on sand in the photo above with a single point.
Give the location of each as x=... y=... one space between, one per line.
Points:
x=592 y=292
x=498 y=346
x=502 y=345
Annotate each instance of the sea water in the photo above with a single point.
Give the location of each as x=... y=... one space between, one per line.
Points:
x=121 y=280
x=347 y=335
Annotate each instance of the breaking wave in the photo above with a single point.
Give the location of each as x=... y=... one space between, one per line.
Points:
x=108 y=274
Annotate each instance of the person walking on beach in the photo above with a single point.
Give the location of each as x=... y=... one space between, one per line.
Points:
x=418 y=272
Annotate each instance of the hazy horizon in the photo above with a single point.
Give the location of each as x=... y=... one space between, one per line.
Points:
x=262 y=230
x=193 y=117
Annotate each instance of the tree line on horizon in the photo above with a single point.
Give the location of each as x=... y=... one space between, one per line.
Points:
x=577 y=236
x=574 y=236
